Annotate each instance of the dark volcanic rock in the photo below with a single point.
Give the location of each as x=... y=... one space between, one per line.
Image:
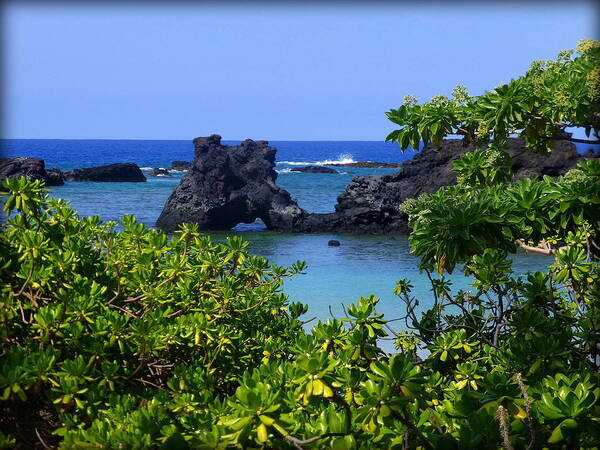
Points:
x=181 y=165
x=227 y=185
x=55 y=177
x=370 y=203
x=157 y=172
x=113 y=172
x=33 y=168
x=369 y=165
x=314 y=169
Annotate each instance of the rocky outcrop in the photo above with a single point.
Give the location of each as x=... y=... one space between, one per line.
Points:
x=33 y=168
x=119 y=172
x=181 y=165
x=314 y=169
x=228 y=185
x=158 y=172
x=370 y=203
x=55 y=177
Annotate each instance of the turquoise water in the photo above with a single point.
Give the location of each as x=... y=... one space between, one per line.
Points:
x=360 y=266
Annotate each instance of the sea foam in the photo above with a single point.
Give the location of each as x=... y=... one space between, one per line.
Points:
x=343 y=158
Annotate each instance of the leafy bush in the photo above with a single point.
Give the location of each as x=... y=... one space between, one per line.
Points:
x=457 y=222
x=97 y=322
x=132 y=339
x=551 y=97
x=129 y=339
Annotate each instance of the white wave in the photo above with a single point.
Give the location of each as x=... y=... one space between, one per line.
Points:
x=148 y=169
x=343 y=158
x=295 y=163
x=295 y=171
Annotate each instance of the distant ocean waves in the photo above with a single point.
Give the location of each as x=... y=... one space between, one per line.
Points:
x=149 y=169
x=289 y=170
x=343 y=158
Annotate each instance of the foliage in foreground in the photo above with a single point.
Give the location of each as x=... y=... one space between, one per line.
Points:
x=134 y=340
x=552 y=97
x=129 y=339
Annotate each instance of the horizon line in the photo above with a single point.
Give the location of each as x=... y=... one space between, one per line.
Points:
x=189 y=139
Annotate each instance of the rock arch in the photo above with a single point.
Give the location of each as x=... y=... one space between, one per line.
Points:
x=228 y=185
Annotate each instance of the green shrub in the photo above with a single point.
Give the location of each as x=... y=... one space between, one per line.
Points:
x=129 y=339
x=98 y=322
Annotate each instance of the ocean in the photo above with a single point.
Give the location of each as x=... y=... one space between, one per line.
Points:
x=336 y=276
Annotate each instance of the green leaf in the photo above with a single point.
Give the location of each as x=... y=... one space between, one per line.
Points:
x=261 y=432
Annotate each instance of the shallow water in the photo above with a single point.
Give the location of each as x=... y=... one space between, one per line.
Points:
x=360 y=266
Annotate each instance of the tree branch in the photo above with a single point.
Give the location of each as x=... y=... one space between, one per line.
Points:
x=542 y=248
x=298 y=443
x=571 y=139
x=560 y=138
x=124 y=310
x=404 y=418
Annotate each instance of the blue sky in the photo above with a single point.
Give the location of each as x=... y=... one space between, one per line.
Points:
x=261 y=70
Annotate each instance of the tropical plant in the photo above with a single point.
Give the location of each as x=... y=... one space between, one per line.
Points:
x=118 y=336
x=551 y=97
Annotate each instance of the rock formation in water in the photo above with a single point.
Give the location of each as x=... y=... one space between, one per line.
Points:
x=159 y=172
x=369 y=204
x=33 y=168
x=314 y=169
x=227 y=185
x=181 y=165
x=55 y=177
x=119 y=172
